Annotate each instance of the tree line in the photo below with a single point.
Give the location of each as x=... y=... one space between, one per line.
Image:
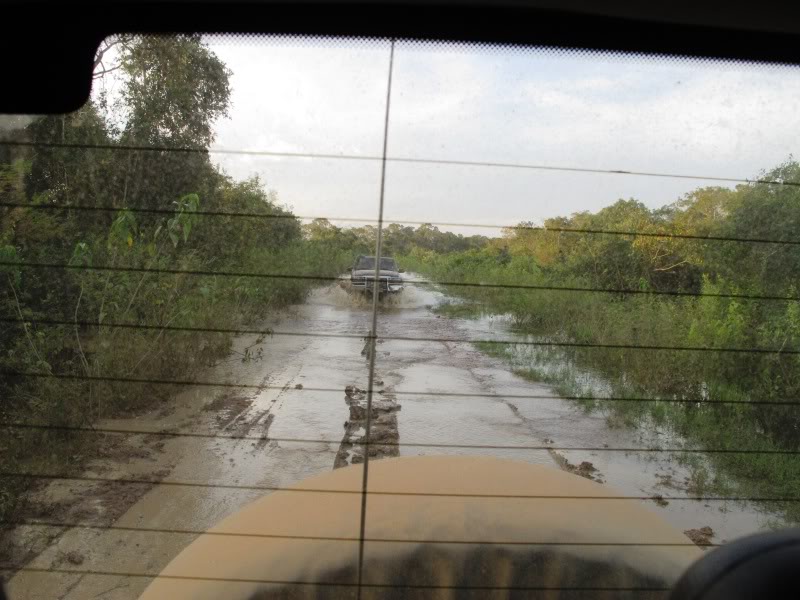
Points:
x=397 y=239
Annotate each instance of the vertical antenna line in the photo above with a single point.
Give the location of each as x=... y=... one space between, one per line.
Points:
x=373 y=331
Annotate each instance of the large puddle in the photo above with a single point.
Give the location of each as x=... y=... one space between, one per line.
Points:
x=503 y=409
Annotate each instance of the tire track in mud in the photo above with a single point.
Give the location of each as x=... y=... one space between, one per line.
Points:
x=384 y=422
x=285 y=363
x=246 y=419
x=384 y=439
x=584 y=469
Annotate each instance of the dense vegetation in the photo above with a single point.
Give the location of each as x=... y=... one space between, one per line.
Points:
x=114 y=231
x=707 y=270
x=397 y=239
x=109 y=197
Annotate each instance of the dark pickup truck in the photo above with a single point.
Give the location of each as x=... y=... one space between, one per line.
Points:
x=362 y=275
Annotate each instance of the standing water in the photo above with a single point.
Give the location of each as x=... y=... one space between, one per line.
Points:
x=300 y=413
x=452 y=393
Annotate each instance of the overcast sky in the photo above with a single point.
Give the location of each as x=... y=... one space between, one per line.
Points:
x=473 y=103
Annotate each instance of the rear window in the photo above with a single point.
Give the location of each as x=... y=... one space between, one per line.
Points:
x=601 y=256
x=368 y=262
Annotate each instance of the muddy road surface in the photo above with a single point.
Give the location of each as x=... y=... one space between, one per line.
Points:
x=293 y=405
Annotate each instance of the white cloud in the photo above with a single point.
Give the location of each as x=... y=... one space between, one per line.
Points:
x=725 y=124
x=501 y=106
x=307 y=98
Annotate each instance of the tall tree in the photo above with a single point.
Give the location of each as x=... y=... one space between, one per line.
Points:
x=175 y=90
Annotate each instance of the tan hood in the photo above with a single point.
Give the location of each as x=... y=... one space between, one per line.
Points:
x=518 y=523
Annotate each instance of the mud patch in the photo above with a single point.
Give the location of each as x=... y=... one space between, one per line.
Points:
x=227 y=408
x=73 y=558
x=659 y=499
x=384 y=435
x=22 y=545
x=584 y=469
x=235 y=417
x=701 y=537
x=52 y=506
x=91 y=503
x=65 y=503
x=668 y=481
x=116 y=449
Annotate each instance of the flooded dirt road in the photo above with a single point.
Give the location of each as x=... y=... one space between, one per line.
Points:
x=302 y=384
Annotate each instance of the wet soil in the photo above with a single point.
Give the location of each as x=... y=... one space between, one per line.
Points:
x=584 y=469
x=85 y=498
x=702 y=536
x=210 y=451
x=384 y=436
